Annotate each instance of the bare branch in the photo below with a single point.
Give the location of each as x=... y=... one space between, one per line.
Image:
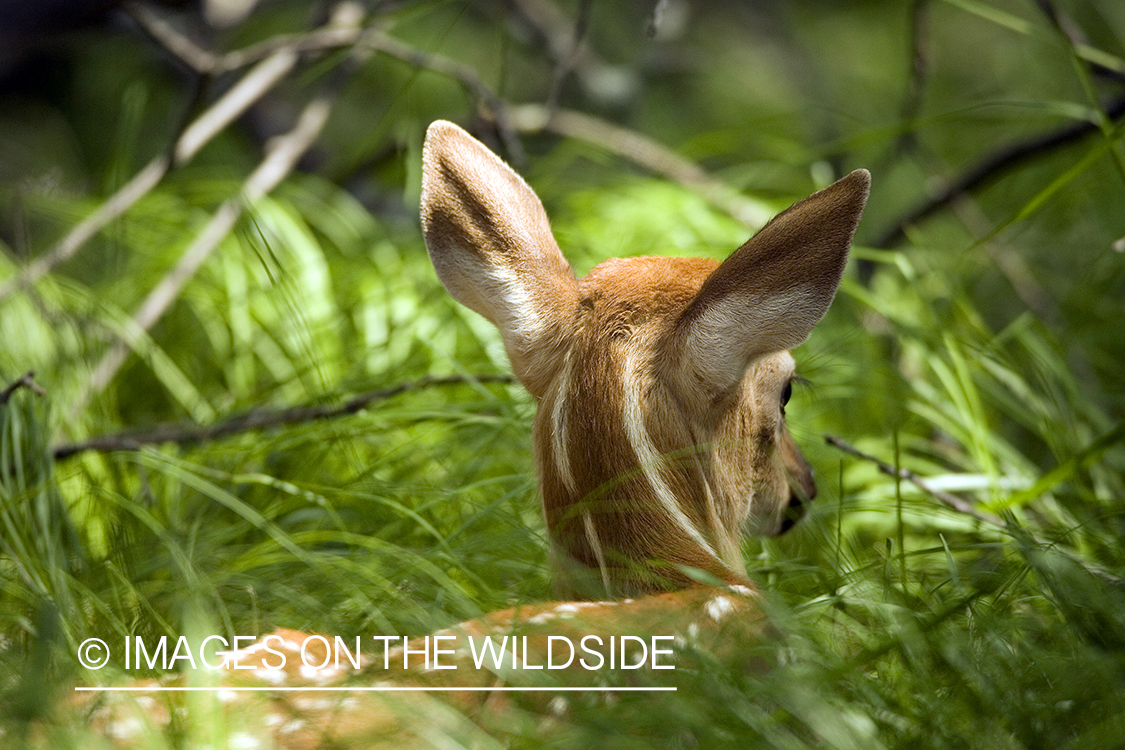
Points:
x=1074 y=40
x=643 y=151
x=260 y=419
x=282 y=156
x=274 y=59
x=319 y=40
x=161 y=31
x=1074 y=35
x=84 y=231
x=332 y=36
x=256 y=84
x=995 y=165
x=567 y=62
x=271 y=61
x=919 y=74
x=27 y=380
x=232 y=104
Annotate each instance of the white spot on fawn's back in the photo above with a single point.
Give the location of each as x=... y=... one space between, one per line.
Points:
x=719 y=607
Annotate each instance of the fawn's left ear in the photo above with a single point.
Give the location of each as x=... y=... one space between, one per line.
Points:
x=492 y=247
x=767 y=296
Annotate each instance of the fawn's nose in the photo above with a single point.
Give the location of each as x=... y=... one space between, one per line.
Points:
x=798 y=498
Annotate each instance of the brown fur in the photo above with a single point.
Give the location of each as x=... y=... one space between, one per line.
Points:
x=660 y=435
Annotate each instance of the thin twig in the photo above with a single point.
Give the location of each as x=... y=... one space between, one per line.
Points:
x=562 y=40
x=565 y=65
x=1072 y=38
x=946 y=498
x=256 y=84
x=319 y=40
x=327 y=38
x=914 y=95
x=494 y=107
x=258 y=420
x=961 y=506
x=27 y=380
x=1076 y=38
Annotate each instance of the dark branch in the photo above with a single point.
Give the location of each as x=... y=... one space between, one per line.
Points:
x=257 y=420
x=493 y=106
x=27 y=380
x=159 y=30
x=566 y=64
x=999 y=163
x=992 y=168
x=919 y=72
x=1066 y=26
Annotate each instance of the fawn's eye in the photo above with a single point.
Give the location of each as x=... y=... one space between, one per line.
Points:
x=787 y=394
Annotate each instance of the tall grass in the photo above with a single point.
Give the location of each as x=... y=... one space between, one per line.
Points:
x=984 y=357
x=905 y=623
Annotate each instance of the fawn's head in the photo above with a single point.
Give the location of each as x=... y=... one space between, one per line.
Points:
x=660 y=433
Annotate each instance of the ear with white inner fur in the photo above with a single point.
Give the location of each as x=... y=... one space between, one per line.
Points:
x=767 y=296
x=492 y=247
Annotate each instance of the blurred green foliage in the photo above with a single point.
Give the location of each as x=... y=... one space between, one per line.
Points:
x=983 y=352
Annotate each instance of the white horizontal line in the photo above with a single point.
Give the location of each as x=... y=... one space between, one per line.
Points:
x=365 y=689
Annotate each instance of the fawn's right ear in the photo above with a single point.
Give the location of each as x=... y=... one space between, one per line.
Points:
x=492 y=247
x=767 y=296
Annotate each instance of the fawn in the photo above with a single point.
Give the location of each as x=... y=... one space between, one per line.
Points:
x=659 y=440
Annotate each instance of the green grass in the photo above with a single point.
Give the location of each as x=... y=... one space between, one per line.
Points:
x=906 y=624
x=984 y=356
